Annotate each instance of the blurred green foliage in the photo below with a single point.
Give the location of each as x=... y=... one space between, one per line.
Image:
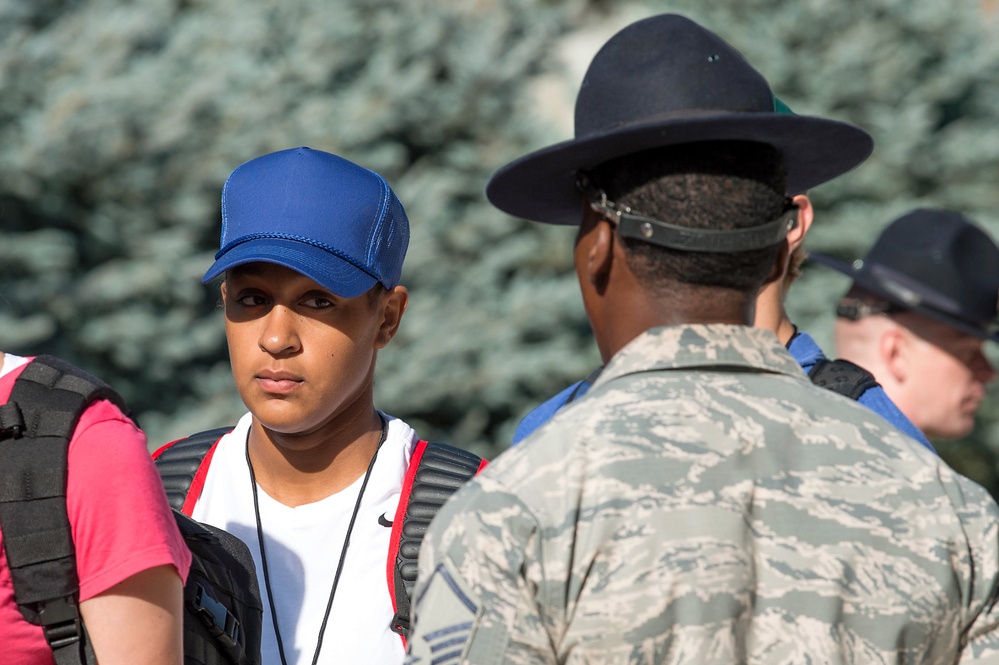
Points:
x=120 y=121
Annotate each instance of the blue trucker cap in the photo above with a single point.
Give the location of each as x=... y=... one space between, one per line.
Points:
x=329 y=219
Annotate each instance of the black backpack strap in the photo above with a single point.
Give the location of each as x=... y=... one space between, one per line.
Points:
x=39 y=419
x=222 y=597
x=843 y=377
x=182 y=462
x=223 y=614
x=436 y=471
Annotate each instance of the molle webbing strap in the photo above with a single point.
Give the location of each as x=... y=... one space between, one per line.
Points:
x=440 y=471
x=179 y=463
x=48 y=398
x=843 y=377
x=223 y=613
x=222 y=609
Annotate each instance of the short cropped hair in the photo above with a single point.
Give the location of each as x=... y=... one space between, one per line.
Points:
x=705 y=185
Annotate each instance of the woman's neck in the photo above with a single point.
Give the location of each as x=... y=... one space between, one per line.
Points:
x=296 y=469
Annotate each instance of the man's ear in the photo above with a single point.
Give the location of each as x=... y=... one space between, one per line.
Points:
x=794 y=238
x=391 y=308
x=894 y=347
x=806 y=213
x=600 y=256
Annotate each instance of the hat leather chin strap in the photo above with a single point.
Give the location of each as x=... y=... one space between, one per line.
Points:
x=647 y=229
x=664 y=234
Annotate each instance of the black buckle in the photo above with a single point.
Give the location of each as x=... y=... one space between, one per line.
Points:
x=220 y=621
x=400 y=625
x=11 y=421
x=60 y=621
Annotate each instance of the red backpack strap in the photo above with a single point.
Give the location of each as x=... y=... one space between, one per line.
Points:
x=392 y=570
x=183 y=466
x=436 y=471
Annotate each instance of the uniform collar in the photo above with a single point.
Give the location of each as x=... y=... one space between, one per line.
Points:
x=702 y=346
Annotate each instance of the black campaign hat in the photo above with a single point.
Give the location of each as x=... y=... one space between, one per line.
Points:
x=937 y=263
x=665 y=81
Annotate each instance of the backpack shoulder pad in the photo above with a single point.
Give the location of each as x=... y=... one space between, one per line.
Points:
x=843 y=377
x=182 y=461
x=436 y=471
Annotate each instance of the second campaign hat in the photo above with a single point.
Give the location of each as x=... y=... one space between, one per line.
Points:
x=936 y=263
x=325 y=217
x=663 y=81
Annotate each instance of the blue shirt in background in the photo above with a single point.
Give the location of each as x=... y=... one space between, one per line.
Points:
x=802 y=347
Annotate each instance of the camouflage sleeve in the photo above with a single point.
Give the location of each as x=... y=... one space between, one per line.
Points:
x=979 y=517
x=474 y=602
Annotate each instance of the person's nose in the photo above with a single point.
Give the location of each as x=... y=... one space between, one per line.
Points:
x=279 y=335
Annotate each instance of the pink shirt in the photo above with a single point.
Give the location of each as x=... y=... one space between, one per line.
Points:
x=118 y=514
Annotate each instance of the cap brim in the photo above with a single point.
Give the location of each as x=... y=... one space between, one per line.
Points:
x=541 y=186
x=869 y=283
x=336 y=275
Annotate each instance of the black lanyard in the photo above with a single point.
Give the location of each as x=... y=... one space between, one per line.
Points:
x=343 y=550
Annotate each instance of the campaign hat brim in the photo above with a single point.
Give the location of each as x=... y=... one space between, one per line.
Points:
x=898 y=289
x=541 y=186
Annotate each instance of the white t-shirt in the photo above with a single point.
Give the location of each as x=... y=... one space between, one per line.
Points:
x=9 y=362
x=303 y=547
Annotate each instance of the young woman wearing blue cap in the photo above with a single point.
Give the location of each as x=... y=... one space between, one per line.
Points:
x=312 y=477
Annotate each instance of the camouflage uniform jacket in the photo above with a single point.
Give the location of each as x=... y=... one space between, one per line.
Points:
x=705 y=503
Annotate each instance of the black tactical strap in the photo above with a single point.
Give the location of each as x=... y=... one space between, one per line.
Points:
x=221 y=596
x=178 y=464
x=38 y=420
x=223 y=614
x=843 y=377
x=442 y=469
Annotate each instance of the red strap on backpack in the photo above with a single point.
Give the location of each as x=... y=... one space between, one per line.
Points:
x=400 y=518
x=183 y=467
x=435 y=472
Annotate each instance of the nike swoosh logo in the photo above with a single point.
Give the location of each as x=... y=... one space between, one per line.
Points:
x=384 y=521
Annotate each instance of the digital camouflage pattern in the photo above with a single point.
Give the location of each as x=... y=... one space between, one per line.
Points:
x=705 y=503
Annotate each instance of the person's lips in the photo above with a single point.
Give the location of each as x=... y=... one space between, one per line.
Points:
x=278 y=382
